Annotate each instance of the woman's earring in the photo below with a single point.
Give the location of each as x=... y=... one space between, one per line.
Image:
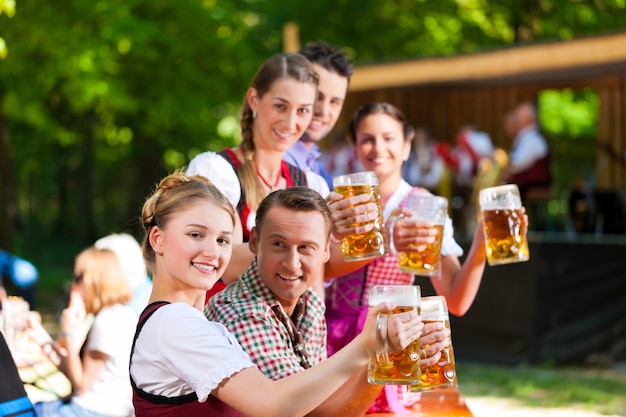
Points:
x=253 y=114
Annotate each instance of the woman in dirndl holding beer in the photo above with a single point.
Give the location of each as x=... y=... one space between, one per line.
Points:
x=382 y=139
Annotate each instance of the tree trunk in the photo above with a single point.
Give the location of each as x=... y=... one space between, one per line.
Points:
x=8 y=206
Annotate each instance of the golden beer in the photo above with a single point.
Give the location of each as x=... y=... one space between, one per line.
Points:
x=402 y=367
x=442 y=374
x=504 y=236
x=425 y=262
x=504 y=225
x=429 y=208
x=395 y=367
x=370 y=244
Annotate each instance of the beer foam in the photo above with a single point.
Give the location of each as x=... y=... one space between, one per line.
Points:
x=503 y=197
x=433 y=307
x=402 y=300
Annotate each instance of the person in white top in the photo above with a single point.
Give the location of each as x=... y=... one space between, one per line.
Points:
x=382 y=139
x=529 y=158
x=128 y=252
x=96 y=363
x=277 y=110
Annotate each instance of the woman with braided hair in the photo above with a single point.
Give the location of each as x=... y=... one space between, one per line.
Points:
x=276 y=111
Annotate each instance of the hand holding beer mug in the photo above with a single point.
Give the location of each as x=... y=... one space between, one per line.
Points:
x=422 y=259
x=372 y=243
x=443 y=373
x=504 y=225
x=401 y=367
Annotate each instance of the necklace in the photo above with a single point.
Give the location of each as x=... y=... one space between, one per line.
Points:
x=264 y=181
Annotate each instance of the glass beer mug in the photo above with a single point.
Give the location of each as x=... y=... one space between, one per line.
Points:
x=426 y=261
x=442 y=374
x=504 y=225
x=371 y=244
x=394 y=367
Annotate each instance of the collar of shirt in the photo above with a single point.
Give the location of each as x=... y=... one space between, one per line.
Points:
x=303 y=157
x=248 y=309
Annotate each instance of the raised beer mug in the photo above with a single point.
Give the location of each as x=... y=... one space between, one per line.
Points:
x=504 y=225
x=371 y=244
x=442 y=374
x=427 y=260
x=394 y=367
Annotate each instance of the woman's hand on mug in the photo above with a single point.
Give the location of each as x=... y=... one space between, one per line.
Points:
x=403 y=328
x=351 y=215
x=435 y=337
x=409 y=233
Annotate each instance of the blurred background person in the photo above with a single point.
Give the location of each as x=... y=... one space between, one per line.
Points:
x=425 y=167
x=529 y=157
x=470 y=147
x=97 y=361
x=128 y=252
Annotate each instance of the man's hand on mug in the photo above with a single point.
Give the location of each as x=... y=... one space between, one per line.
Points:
x=435 y=337
x=352 y=215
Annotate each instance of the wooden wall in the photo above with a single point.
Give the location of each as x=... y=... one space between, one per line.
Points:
x=447 y=107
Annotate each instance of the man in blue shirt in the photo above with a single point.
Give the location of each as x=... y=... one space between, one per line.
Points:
x=334 y=70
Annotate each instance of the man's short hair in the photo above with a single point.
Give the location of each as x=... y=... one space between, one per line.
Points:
x=328 y=57
x=296 y=199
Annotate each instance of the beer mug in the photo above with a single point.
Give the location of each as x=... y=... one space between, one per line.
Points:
x=371 y=244
x=426 y=261
x=395 y=367
x=504 y=225
x=442 y=374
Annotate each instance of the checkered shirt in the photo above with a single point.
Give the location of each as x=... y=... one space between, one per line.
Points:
x=245 y=308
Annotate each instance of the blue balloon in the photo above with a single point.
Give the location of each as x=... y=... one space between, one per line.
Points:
x=22 y=272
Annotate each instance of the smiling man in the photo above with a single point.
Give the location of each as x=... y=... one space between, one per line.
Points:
x=334 y=71
x=272 y=310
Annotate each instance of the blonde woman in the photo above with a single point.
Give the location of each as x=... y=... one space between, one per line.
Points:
x=96 y=363
x=185 y=365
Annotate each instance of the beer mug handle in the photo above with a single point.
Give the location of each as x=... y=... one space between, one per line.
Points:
x=382 y=355
x=390 y=227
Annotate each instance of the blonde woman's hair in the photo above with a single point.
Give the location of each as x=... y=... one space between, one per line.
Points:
x=292 y=66
x=103 y=279
x=175 y=193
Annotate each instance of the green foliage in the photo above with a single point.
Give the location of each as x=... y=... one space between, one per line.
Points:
x=569 y=113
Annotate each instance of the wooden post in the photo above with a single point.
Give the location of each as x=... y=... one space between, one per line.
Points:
x=291 y=37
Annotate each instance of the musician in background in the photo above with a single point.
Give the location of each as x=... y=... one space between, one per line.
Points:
x=529 y=158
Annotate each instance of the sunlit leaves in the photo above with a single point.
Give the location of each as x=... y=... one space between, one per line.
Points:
x=7 y=7
x=3 y=49
x=569 y=114
x=173 y=159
